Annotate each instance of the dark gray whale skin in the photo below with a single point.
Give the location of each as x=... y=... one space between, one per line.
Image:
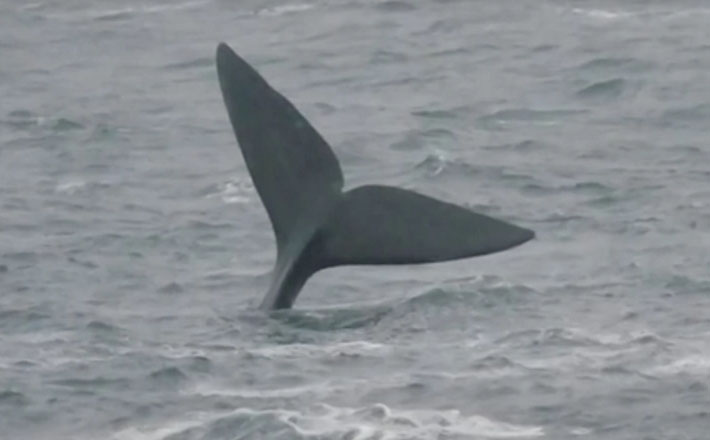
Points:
x=316 y=224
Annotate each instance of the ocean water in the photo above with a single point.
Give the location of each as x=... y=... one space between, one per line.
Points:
x=134 y=249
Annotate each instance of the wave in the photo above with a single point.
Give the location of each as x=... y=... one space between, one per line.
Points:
x=418 y=139
x=193 y=63
x=24 y=119
x=10 y=398
x=693 y=115
x=688 y=365
x=524 y=146
x=438 y=165
x=372 y=422
x=130 y=11
x=589 y=187
x=608 y=89
x=341 y=349
x=614 y=64
x=285 y=9
x=336 y=318
x=487 y=292
x=450 y=113
x=394 y=6
x=233 y=191
x=602 y=14
x=686 y=285
x=500 y=119
x=168 y=377
x=23 y=320
x=560 y=337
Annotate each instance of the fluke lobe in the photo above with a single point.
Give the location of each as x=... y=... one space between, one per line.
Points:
x=316 y=224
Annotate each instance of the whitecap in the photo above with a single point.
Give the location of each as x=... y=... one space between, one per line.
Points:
x=435 y=162
x=602 y=14
x=127 y=11
x=32 y=6
x=353 y=348
x=71 y=186
x=285 y=9
x=371 y=422
x=234 y=191
x=173 y=6
x=155 y=433
x=379 y=421
x=310 y=389
x=694 y=364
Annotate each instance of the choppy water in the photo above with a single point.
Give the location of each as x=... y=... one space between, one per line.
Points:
x=133 y=247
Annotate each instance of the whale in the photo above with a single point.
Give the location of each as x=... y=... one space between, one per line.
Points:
x=318 y=224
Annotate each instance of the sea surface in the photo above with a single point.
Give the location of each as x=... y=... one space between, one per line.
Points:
x=134 y=249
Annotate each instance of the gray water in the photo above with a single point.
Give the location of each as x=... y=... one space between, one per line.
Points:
x=134 y=249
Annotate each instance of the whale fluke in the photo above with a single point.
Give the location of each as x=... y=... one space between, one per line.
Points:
x=316 y=224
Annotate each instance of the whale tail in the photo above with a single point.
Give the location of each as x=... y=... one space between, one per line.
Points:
x=316 y=224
